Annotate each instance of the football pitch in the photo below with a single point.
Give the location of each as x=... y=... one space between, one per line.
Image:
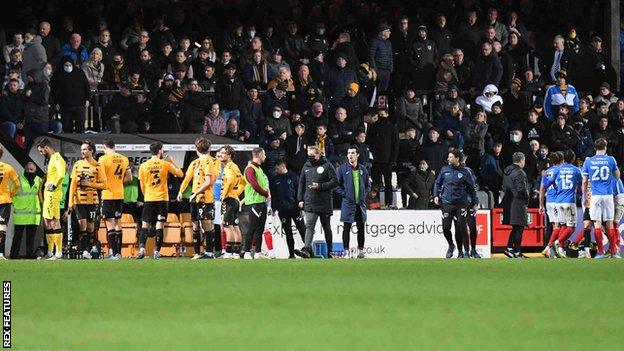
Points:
x=170 y=304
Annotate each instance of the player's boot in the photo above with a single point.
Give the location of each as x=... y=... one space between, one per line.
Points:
x=196 y=256
x=617 y=255
x=346 y=253
x=2 y=258
x=460 y=255
x=271 y=255
x=86 y=255
x=208 y=255
x=573 y=246
x=546 y=252
x=561 y=252
x=141 y=254
x=156 y=255
x=248 y=256
x=449 y=252
x=556 y=248
x=474 y=254
x=520 y=255
x=303 y=253
x=509 y=252
x=360 y=253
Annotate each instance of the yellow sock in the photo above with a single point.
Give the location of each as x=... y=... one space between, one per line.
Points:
x=50 y=241
x=58 y=241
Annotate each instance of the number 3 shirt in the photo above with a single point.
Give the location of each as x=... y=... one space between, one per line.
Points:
x=599 y=169
x=153 y=176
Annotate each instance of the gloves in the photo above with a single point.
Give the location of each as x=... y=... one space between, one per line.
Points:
x=50 y=187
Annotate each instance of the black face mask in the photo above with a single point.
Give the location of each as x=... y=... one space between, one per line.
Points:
x=30 y=177
x=312 y=159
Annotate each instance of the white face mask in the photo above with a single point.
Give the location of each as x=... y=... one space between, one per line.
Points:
x=515 y=138
x=277 y=114
x=68 y=69
x=321 y=31
x=252 y=33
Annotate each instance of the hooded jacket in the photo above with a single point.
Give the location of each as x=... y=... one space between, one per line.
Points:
x=34 y=56
x=37 y=104
x=487 y=102
x=516 y=200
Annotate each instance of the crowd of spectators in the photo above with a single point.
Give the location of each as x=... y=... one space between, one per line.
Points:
x=404 y=83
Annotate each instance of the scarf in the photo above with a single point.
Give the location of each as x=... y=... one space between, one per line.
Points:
x=117 y=72
x=320 y=143
x=260 y=76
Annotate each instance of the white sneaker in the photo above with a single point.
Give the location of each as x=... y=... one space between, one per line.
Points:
x=156 y=255
x=51 y=258
x=208 y=255
x=2 y=258
x=196 y=256
x=226 y=256
x=248 y=256
x=272 y=255
x=360 y=253
x=346 y=254
x=86 y=255
x=59 y=255
x=236 y=256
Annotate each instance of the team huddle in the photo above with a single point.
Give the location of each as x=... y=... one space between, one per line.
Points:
x=602 y=192
x=98 y=185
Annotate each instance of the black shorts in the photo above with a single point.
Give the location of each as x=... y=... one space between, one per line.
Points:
x=112 y=209
x=5 y=213
x=202 y=212
x=229 y=212
x=155 y=211
x=85 y=212
x=586 y=214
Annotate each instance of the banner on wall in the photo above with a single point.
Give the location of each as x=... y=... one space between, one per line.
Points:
x=391 y=234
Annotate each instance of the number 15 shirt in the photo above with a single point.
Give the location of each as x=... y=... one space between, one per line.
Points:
x=153 y=176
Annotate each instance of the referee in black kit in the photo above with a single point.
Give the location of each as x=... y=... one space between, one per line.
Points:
x=451 y=187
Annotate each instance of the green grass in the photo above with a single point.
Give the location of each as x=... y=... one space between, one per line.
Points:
x=316 y=304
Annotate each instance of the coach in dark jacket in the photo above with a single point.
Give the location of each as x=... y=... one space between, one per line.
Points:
x=452 y=185
x=515 y=203
x=284 y=185
x=194 y=110
x=316 y=184
x=354 y=200
x=70 y=90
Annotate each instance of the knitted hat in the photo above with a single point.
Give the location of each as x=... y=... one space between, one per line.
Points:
x=355 y=87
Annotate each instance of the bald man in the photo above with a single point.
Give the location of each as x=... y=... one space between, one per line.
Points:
x=50 y=43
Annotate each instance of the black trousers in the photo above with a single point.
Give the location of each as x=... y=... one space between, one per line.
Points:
x=515 y=237
x=346 y=230
x=458 y=214
x=470 y=240
x=385 y=170
x=257 y=219
x=30 y=231
x=287 y=218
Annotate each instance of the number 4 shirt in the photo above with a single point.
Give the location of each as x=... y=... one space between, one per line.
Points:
x=115 y=166
x=599 y=169
x=153 y=176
